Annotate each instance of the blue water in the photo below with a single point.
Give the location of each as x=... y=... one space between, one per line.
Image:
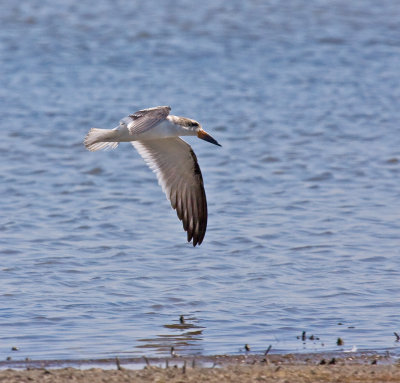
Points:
x=303 y=196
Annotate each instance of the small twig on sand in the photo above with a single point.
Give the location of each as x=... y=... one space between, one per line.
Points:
x=265 y=360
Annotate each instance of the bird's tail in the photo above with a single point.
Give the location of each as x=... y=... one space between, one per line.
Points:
x=98 y=139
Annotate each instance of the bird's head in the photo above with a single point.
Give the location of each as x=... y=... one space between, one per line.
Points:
x=195 y=129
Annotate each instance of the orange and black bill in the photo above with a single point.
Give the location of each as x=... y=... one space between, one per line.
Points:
x=206 y=137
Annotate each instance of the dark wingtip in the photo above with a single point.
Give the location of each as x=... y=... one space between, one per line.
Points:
x=196 y=242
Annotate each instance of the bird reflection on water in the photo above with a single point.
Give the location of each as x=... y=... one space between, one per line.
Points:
x=184 y=337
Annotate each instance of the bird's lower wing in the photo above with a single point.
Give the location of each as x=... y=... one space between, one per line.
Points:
x=179 y=175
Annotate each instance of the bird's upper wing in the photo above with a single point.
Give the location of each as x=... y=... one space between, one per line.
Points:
x=145 y=119
x=179 y=175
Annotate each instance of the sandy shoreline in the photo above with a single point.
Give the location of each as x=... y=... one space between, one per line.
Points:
x=330 y=367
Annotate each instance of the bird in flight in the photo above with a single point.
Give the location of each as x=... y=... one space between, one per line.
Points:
x=155 y=135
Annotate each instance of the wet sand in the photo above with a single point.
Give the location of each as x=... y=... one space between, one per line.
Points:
x=297 y=368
